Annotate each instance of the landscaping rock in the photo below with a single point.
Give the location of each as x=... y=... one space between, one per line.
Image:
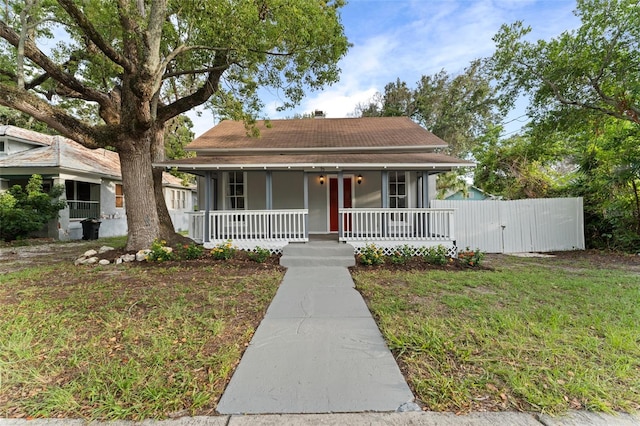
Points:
x=142 y=255
x=128 y=257
x=119 y=260
x=90 y=253
x=90 y=261
x=103 y=262
x=104 y=249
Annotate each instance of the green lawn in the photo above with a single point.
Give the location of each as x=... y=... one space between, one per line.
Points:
x=532 y=334
x=126 y=342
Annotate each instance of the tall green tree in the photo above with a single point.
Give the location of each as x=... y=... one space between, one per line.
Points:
x=457 y=108
x=122 y=69
x=593 y=68
x=584 y=90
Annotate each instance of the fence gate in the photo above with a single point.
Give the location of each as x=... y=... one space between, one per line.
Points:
x=533 y=225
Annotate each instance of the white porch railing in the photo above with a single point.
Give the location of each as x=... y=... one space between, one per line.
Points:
x=250 y=225
x=83 y=209
x=397 y=225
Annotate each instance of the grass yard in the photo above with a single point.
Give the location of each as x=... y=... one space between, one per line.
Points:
x=131 y=341
x=531 y=334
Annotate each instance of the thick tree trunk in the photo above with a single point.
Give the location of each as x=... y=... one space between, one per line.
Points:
x=137 y=179
x=167 y=230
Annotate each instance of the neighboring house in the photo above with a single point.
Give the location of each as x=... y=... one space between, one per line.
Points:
x=91 y=178
x=473 y=194
x=364 y=180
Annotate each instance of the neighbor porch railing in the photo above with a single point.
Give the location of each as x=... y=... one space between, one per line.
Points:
x=83 y=209
x=397 y=225
x=250 y=225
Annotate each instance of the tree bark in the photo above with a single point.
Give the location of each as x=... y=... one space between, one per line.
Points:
x=137 y=178
x=167 y=230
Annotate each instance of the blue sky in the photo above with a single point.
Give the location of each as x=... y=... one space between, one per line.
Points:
x=409 y=38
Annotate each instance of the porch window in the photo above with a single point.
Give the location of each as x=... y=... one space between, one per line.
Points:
x=236 y=191
x=119 y=196
x=397 y=190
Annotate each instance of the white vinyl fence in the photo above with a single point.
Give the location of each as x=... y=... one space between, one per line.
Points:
x=533 y=225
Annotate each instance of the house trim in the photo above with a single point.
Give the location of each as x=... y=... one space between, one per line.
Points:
x=346 y=149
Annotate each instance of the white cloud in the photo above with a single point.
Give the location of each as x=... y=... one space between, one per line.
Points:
x=409 y=38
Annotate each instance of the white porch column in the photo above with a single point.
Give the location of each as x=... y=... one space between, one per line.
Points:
x=425 y=189
x=207 y=206
x=384 y=193
x=269 y=190
x=305 y=202
x=340 y=201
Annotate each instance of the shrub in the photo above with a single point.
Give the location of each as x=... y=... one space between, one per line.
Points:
x=435 y=255
x=223 y=251
x=24 y=211
x=259 y=254
x=471 y=257
x=159 y=251
x=189 y=251
x=402 y=254
x=371 y=255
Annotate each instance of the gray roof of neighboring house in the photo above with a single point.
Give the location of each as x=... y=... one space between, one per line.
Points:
x=63 y=153
x=25 y=135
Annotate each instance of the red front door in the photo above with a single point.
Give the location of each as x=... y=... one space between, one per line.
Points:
x=333 y=201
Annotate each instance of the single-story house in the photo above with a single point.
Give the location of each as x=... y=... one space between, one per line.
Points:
x=91 y=178
x=359 y=180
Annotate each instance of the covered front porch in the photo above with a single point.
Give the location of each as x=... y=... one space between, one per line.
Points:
x=387 y=228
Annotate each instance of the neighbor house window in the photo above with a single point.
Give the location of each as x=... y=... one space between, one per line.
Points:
x=235 y=191
x=397 y=190
x=1 y=146
x=119 y=196
x=173 y=199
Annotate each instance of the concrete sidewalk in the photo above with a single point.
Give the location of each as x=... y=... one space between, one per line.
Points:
x=575 y=418
x=318 y=350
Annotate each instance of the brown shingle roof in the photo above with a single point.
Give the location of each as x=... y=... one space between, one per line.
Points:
x=309 y=134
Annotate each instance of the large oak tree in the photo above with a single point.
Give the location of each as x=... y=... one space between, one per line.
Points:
x=114 y=72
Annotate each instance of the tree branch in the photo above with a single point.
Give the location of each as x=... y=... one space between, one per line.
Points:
x=70 y=7
x=32 y=52
x=56 y=118
x=198 y=97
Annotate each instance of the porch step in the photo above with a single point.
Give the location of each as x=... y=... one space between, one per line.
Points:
x=317 y=254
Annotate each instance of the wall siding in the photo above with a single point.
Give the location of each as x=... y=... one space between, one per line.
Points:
x=534 y=225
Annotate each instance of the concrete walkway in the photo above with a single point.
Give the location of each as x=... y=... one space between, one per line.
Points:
x=573 y=418
x=318 y=350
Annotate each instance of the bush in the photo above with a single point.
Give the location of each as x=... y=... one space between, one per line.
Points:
x=160 y=252
x=435 y=255
x=260 y=255
x=471 y=257
x=223 y=251
x=24 y=211
x=402 y=254
x=371 y=255
x=189 y=251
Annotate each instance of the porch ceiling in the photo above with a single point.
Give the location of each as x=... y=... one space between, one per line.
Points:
x=366 y=161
